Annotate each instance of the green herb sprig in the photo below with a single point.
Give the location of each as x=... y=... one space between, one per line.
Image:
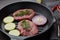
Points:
x=21 y=13
x=25 y=24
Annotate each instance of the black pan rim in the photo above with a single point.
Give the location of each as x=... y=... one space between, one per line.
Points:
x=38 y=4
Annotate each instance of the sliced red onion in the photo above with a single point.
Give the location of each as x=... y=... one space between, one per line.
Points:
x=39 y=20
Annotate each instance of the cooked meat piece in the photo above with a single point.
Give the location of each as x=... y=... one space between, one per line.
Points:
x=29 y=30
x=23 y=14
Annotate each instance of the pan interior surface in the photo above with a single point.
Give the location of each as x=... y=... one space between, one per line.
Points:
x=39 y=9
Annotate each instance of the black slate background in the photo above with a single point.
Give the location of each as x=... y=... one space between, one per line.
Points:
x=53 y=34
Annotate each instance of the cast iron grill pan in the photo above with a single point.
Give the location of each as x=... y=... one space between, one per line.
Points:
x=38 y=8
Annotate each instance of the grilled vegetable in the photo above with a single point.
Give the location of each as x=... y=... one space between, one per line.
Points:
x=39 y=20
x=10 y=26
x=8 y=19
x=14 y=32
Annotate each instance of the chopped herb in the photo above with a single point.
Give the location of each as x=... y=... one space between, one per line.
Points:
x=22 y=13
x=25 y=24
